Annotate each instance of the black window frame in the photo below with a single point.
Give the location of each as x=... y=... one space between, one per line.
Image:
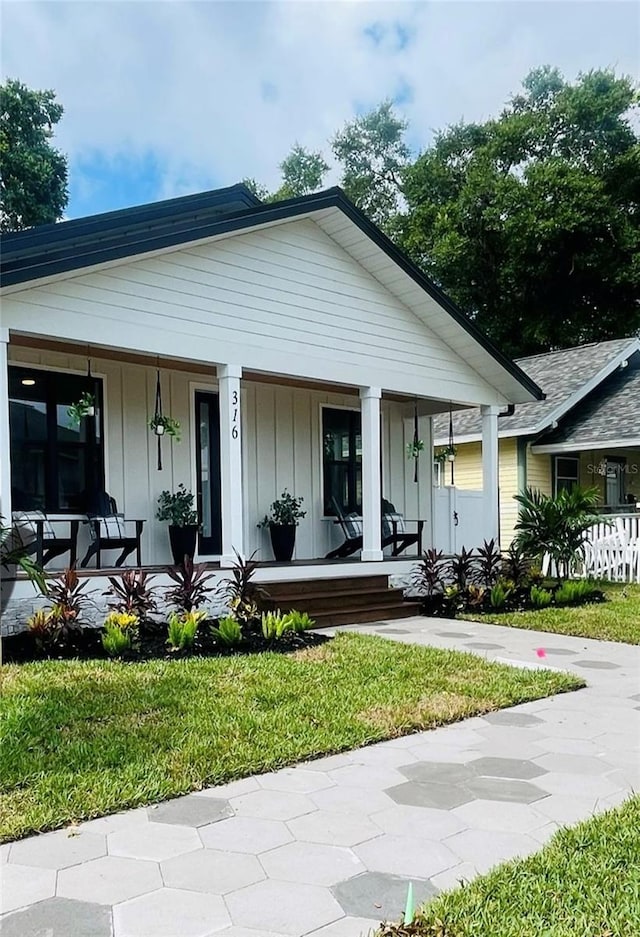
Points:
x=353 y=466
x=55 y=394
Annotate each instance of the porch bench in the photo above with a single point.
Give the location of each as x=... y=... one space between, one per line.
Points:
x=111 y=530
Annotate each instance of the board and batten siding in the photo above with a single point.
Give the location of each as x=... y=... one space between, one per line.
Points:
x=286 y=299
x=282 y=448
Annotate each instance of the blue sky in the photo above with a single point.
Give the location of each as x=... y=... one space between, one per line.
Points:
x=167 y=98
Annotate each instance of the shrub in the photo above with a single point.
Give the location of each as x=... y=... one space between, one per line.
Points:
x=242 y=594
x=177 y=507
x=461 y=568
x=516 y=567
x=476 y=596
x=228 y=631
x=556 y=525
x=132 y=592
x=488 y=563
x=500 y=593
x=191 y=585
x=540 y=598
x=300 y=621
x=275 y=625
x=120 y=633
x=42 y=626
x=182 y=627
x=575 y=592
x=428 y=575
x=66 y=593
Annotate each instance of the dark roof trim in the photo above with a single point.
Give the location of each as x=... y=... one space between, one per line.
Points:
x=74 y=256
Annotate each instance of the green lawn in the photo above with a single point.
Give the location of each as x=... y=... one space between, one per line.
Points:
x=84 y=738
x=615 y=620
x=584 y=883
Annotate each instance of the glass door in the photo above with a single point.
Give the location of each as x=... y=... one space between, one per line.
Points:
x=208 y=472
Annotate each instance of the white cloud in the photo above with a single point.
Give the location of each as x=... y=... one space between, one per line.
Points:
x=218 y=91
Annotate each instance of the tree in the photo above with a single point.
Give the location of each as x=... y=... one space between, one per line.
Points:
x=373 y=155
x=33 y=174
x=531 y=221
x=302 y=173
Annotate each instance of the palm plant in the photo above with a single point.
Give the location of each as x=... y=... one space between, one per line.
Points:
x=12 y=554
x=556 y=525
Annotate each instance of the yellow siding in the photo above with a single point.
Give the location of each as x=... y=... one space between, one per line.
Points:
x=539 y=472
x=468 y=475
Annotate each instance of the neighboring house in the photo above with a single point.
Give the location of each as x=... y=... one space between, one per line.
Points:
x=294 y=342
x=585 y=432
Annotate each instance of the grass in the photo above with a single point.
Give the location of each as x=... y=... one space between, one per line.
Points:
x=85 y=738
x=584 y=883
x=615 y=620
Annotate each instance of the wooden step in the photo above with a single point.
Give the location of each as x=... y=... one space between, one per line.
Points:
x=354 y=616
x=316 y=586
x=314 y=603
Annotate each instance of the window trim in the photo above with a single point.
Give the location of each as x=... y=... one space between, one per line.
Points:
x=79 y=372
x=323 y=407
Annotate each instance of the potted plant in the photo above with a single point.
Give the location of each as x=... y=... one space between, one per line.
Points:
x=178 y=509
x=165 y=426
x=82 y=408
x=414 y=448
x=285 y=515
x=448 y=454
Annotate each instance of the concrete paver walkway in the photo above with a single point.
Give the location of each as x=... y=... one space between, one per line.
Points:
x=327 y=848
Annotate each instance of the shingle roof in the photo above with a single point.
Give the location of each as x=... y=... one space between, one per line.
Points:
x=561 y=375
x=610 y=413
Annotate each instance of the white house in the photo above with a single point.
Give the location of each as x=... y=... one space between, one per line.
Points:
x=274 y=327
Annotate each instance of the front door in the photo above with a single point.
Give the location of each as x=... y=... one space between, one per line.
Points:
x=208 y=472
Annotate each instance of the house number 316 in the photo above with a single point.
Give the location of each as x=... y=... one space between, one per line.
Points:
x=234 y=419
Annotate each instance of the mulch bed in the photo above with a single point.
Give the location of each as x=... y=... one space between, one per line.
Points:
x=87 y=644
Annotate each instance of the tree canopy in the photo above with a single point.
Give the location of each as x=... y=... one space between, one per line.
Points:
x=530 y=221
x=33 y=174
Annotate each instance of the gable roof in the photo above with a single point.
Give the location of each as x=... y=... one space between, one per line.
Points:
x=566 y=376
x=51 y=251
x=609 y=415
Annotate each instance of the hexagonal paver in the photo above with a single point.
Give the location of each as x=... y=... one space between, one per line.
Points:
x=283 y=907
x=109 y=880
x=484 y=646
x=575 y=764
x=506 y=718
x=453 y=634
x=493 y=815
x=486 y=851
x=403 y=855
x=251 y=835
x=191 y=811
x=22 y=885
x=156 y=841
x=345 y=927
x=594 y=785
x=506 y=768
x=597 y=664
x=379 y=896
x=298 y=780
x=508 y=789
x=424 y=822
x=59 y=917
x=58 y=850
x=333 y=827
x=272 y=805
x=350 y=799
x=115 y=821
x=560 y=651
x=365 y=777
x=311 y=863
x=425 y=772
x=211 y=871
x=442 y=796
x=170 y=912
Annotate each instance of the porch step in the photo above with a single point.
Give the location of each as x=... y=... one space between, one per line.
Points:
x=332 y=602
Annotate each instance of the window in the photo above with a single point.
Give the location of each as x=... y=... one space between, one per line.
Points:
x=342 y=460
x=438 y=474
x=56 y=466
x=567 y=473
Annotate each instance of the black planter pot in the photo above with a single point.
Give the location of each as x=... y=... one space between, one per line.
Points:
x=183 y=542
x=283 y=541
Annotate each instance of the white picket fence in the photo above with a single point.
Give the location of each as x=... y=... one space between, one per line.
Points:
x=612 y=551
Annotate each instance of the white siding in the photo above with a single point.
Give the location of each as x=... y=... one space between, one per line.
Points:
x=286 y=299
x=281 y=448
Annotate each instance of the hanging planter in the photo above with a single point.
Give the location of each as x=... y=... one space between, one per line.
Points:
x=165 y=426
x=446 y=455
x=416 y=446
x=81 y=409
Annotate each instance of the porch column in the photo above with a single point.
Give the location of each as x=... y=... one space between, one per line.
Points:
x=230 y=462
x=490 y=470
x=5 y=455
x=371 y=491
